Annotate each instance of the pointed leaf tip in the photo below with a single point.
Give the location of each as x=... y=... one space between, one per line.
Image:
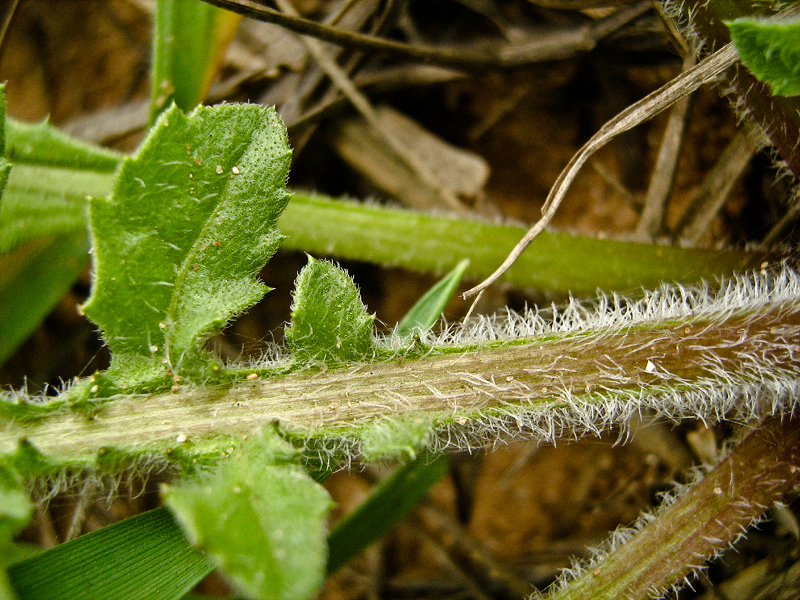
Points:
x=330 y=323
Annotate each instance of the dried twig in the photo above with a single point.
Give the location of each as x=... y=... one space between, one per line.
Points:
x=543 y=47
x=718 y=184
x=652 y=104
x=651 y=222
x=362 y=104
x=786 y=221
x=6 y=14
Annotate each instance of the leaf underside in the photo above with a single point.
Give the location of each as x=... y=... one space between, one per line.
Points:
x=178 y=244
x=261 y=518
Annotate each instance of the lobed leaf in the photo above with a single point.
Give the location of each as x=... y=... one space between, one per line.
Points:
x=179 y=242
x=261 y=518
x=771 y=50
x=330 y=324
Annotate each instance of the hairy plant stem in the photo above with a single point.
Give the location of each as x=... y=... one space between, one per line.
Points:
x=701 y=522
x=709 y=359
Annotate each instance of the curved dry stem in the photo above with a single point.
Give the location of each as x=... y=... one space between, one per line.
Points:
x=646 y=108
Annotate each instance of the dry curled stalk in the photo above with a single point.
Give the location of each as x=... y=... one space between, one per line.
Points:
x=639 y=112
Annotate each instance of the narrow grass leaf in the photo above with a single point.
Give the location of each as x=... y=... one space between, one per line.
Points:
x=15 y=511
x=261 y=518
x=146 y=557
x=771 y=50
x=41 y=202
x=388 y=503
x=330 y=323
x=559 y=262
x=42 y=144
x=429 y=308
x=188 y=41
x=5 y=167
x=178 y=244
x=33 y=279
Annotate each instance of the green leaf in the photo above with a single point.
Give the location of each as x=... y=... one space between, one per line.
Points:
x=560 y=262
x=15 y=512
x=43 y=144
x=188 y=41
x=145 y=557
x=33 y=279
x=388 y=503
x=261 y=518
x=429 y=308
x=330 y=323
x=41 y=202
x=43 y=237
x=179 y=243
x=771 y=50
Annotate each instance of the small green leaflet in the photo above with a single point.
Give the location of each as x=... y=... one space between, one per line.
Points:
x=330 y=323
x=771 y=50
x=260 y=518
x=178 y=244
x=15 y=511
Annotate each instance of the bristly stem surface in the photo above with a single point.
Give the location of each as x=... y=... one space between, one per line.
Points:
x=700 y=523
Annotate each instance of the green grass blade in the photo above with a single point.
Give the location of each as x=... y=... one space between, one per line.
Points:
x=42 y=202
x=388 y=503
x=188 y=39
x=429 y=308
x=145 y=557
x=42 y=144
x=32 y=280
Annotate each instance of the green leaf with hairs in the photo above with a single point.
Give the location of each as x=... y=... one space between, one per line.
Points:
x=260 y=518
x=178 y=244
x=771 y=50
x=15 y=511
x=330 y=324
